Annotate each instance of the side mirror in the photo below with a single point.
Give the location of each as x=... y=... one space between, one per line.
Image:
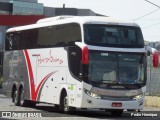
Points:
x=155 y=58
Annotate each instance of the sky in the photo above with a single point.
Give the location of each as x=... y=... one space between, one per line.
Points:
x=142 y=12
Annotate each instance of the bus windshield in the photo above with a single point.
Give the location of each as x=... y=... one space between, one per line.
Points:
x=116 y=68
x=113 y=36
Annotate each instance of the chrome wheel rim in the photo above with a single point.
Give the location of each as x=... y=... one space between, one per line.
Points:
x=66 y=103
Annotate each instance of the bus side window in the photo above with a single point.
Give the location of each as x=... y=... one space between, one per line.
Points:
x=75 y=65
x=46 y=37
x=68 y=33
x=29 y=39
x=59 y=35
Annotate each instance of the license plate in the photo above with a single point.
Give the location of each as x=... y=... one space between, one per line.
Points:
x=116 y=104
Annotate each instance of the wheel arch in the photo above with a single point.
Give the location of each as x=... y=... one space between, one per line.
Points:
x=62 y=92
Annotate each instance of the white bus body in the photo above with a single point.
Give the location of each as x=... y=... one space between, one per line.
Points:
x=37 y=72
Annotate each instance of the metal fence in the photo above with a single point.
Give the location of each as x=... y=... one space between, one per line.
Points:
x=153 y=80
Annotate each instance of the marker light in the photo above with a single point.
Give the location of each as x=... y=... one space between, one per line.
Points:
x=85 y=55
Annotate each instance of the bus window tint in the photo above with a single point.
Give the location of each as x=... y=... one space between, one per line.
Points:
x=98 y=71
x=44 y=37
x=29 y=39
x=122 y=68
x=113 y=36
x=59 y=35
x=68 y=33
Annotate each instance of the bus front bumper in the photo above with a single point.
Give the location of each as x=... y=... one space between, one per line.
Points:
x=97 y=103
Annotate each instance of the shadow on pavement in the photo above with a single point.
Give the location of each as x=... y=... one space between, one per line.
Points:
x=49 y=111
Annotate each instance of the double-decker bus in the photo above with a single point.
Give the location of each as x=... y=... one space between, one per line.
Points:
x=77 y=62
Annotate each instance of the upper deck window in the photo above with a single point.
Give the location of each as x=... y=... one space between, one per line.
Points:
x=113 y=36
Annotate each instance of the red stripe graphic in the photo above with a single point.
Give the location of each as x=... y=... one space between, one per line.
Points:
x=33 y=95
x=41 y=83
x=34 y=92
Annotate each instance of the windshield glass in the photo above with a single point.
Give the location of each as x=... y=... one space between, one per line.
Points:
x=116 y=68
x=113 y=36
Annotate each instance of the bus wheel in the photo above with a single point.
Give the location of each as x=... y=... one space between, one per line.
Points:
x=15 y=98
x=64 y=103
x=23 y=102
x=116 y=113
x=21 y=97
x=64 y=107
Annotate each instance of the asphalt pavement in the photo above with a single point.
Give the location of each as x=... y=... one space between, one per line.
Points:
x=47 y=112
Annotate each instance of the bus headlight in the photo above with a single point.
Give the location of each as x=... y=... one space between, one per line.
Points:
x=137 y=97
x=94 y=95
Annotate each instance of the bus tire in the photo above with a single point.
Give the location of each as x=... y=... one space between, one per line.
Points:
x=15 y=98
x=22 y=101
x=116 y=113
x=64 y=107
x=13 y=91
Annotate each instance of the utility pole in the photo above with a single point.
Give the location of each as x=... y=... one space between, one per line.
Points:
x=63 y=9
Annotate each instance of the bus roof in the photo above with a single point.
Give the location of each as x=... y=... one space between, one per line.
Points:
x=73 y=19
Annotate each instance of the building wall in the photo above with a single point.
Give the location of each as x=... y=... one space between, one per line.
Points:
x=2 y=35
x=19 y=20
x=85 y=12
x=5 y=8
x=6 y=1
x=68 y=11
x=31 y=7
x=50 y=12
x=18 y=7
x=35 y=1
x=27 y=8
